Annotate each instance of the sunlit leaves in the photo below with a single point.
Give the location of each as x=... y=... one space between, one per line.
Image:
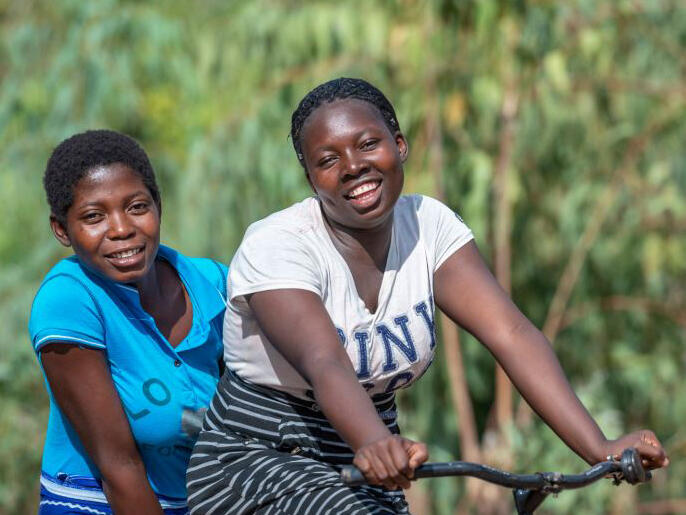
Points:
x=209 y=90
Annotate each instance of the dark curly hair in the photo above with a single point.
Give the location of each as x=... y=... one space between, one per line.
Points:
x=339 y=89
x=75 y=156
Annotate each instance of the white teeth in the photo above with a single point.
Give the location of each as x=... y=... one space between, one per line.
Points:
x=126 y=253
x=363 y=188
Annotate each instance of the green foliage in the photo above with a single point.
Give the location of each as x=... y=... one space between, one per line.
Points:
x=209 y=90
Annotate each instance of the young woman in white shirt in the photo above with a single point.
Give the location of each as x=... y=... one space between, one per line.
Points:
x=332 y=309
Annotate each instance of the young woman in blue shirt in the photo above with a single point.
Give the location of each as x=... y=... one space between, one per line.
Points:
x=128 y=333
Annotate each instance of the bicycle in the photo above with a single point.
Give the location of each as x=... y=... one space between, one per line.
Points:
x=529 y=490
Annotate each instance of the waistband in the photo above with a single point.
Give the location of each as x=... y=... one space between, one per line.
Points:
x=89 y=489
x=383 y=402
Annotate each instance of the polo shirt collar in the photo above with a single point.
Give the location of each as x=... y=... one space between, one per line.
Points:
x=207 y=300
x=206 y=297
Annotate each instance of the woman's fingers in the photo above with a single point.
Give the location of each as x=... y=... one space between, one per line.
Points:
x=648 y=446
x=652 y=453
x=371 y=464
x=390 y=461
x=393 y=460
x=651 y=457
x=417 y=452
x=401 y=464
x=362 y=463
x=384 y=468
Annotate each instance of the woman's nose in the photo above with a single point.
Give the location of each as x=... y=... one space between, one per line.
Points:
x=120 y=226
x=355 y=164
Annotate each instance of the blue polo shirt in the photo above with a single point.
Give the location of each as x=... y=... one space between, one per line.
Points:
x=164 y=390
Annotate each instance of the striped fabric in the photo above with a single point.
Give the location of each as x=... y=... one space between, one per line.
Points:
x=266 y=452
x=79 y=495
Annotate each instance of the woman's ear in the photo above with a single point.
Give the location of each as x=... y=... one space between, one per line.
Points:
x=59 y=231
x=401 y=143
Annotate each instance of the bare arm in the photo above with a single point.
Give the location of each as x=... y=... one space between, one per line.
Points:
x=468 y=293
x=82 y=386
x=314 y=350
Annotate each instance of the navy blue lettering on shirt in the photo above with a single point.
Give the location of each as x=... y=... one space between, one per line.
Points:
x=398 y=344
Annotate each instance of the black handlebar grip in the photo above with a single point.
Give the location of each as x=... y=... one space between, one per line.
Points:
x=351 y=476
x=632 y=468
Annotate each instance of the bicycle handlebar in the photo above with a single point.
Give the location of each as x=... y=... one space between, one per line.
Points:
x=628 y=466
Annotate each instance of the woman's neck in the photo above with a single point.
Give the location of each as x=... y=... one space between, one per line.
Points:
x=158 y=287
x=164 y=298
x=151 y=284
x=370 y=243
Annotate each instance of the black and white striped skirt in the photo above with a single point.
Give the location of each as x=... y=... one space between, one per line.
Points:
x=266 y=452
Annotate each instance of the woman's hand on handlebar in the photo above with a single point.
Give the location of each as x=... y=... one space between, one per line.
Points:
x=390 y=461
x=652 y=453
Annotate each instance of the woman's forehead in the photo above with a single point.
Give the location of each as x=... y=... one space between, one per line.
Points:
x=104 y=179
x=341 y=116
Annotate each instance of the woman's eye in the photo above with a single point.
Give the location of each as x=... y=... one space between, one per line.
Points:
x=139 y=207
x=91 y=217
x=326 y=161
x=369 y=144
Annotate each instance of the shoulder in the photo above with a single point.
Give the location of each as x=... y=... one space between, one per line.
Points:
x=283 y=250
x=416 y=204
x=202 y=269
x=421 y=204
x=300 y=218
x=213 y=270
x=437 y=226
x=68 y=307
x=426 y=209
x=294 y=229
x=67 y=281
x=418 y=210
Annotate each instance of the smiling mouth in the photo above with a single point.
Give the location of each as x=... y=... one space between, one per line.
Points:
x=125 y=253
x=363 y=191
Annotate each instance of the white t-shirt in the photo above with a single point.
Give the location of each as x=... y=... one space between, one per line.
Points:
x=292 y=249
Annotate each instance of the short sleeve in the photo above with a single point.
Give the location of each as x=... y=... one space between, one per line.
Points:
x=65 y=311
x=445 y=230
x=273 y=258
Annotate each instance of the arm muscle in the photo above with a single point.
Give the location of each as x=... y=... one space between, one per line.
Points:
x=469 y=294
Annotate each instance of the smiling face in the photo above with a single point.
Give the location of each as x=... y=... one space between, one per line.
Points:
x=354 y=163
x=113 y=224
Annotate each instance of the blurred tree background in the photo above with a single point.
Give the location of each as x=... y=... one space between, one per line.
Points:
x=556 y=129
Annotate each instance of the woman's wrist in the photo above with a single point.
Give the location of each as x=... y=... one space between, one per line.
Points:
x=347 y=406
x=594 y=450
x=371 y=437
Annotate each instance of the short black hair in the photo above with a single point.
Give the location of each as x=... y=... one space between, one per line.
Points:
x=339 y=89
x=75 y=156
